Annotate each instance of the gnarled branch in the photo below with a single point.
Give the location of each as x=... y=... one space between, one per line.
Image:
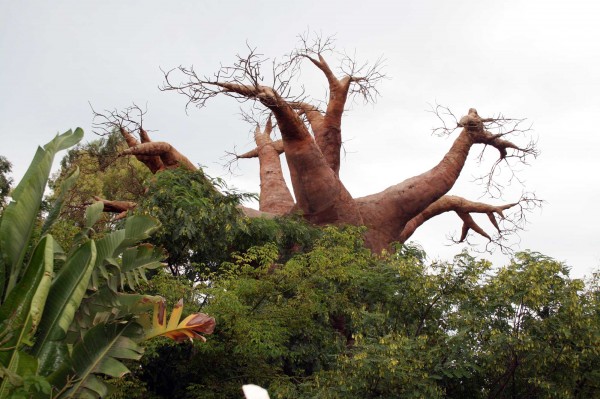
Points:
x=119 y=207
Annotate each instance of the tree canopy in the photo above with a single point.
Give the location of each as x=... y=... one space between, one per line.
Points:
x=338 y=322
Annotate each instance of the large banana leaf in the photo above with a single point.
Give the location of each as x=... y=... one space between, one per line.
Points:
x=20 y=215
x=111 y=246
x=188 y=329
x=20 y=313
x=106 y=305
x=135 y=261
x=64 y=299
x=99 y=352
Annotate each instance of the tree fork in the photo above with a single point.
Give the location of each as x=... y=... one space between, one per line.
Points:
x=275 y=196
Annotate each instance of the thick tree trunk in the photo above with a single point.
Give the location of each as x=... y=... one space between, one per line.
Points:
x=327 y=127
x=275 y=197
x=320 y=194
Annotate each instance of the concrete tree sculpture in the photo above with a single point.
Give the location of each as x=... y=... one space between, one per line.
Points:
x=311 y=139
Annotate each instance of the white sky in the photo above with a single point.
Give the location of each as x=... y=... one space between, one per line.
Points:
x=529 y=59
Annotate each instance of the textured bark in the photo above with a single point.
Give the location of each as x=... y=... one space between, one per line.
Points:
x=153 y=162
x=463 y=209
x=119 y=207
x=156 y=155
x=387 y=213
x=168 y=155
x=314 y=159
x=275 y=196
x=320 y=195
x=327 y=127
x=390 y=216
x=159 y=156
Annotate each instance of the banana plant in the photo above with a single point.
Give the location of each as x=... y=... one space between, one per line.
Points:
x=58 y=333
x=23 y=294
x=20 y=216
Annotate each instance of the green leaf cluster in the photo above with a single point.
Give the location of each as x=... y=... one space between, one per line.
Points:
x=336 y=321
x=64 y=319
x=202 y=224
x=311 y=313
x=101 y=172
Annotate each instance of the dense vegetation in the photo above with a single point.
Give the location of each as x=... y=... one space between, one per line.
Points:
x=311 y=313
x=68 y=317
x=338 y=322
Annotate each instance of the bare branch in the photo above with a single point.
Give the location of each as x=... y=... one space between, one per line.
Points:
x=363 y=78
x=505 y=223
x=495 y=132
x=357 y=78
x=130 y=118
x=243 y=81
x=449 y=122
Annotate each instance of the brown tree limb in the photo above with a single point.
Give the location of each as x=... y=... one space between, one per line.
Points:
x=275 y=196
x=253 y=153
x=152 y=162
x=491 y=132
x=170 y=158
x=119 y=207
x=387 y=213
x=327 y=126
x=144 y=136
x=320 y=195
x=463 y=209
x=314 y=162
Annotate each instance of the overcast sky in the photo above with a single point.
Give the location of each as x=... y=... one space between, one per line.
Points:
x=525 y=59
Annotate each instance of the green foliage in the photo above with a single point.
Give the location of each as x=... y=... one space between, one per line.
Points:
x=537 y=330
x=170 y=287
x=130 y=387
x=59 y=334
x=203 y=225
x=5 y=180
x=99 y=352
x=198 y=221
x=201 y=221
x=338 y=322
x=20 y=216
x=101 y=173
x=311 y=313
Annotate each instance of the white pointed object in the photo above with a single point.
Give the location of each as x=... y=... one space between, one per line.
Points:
x=255 y=392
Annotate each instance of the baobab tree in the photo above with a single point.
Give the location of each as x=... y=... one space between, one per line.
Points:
x=311 y=141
